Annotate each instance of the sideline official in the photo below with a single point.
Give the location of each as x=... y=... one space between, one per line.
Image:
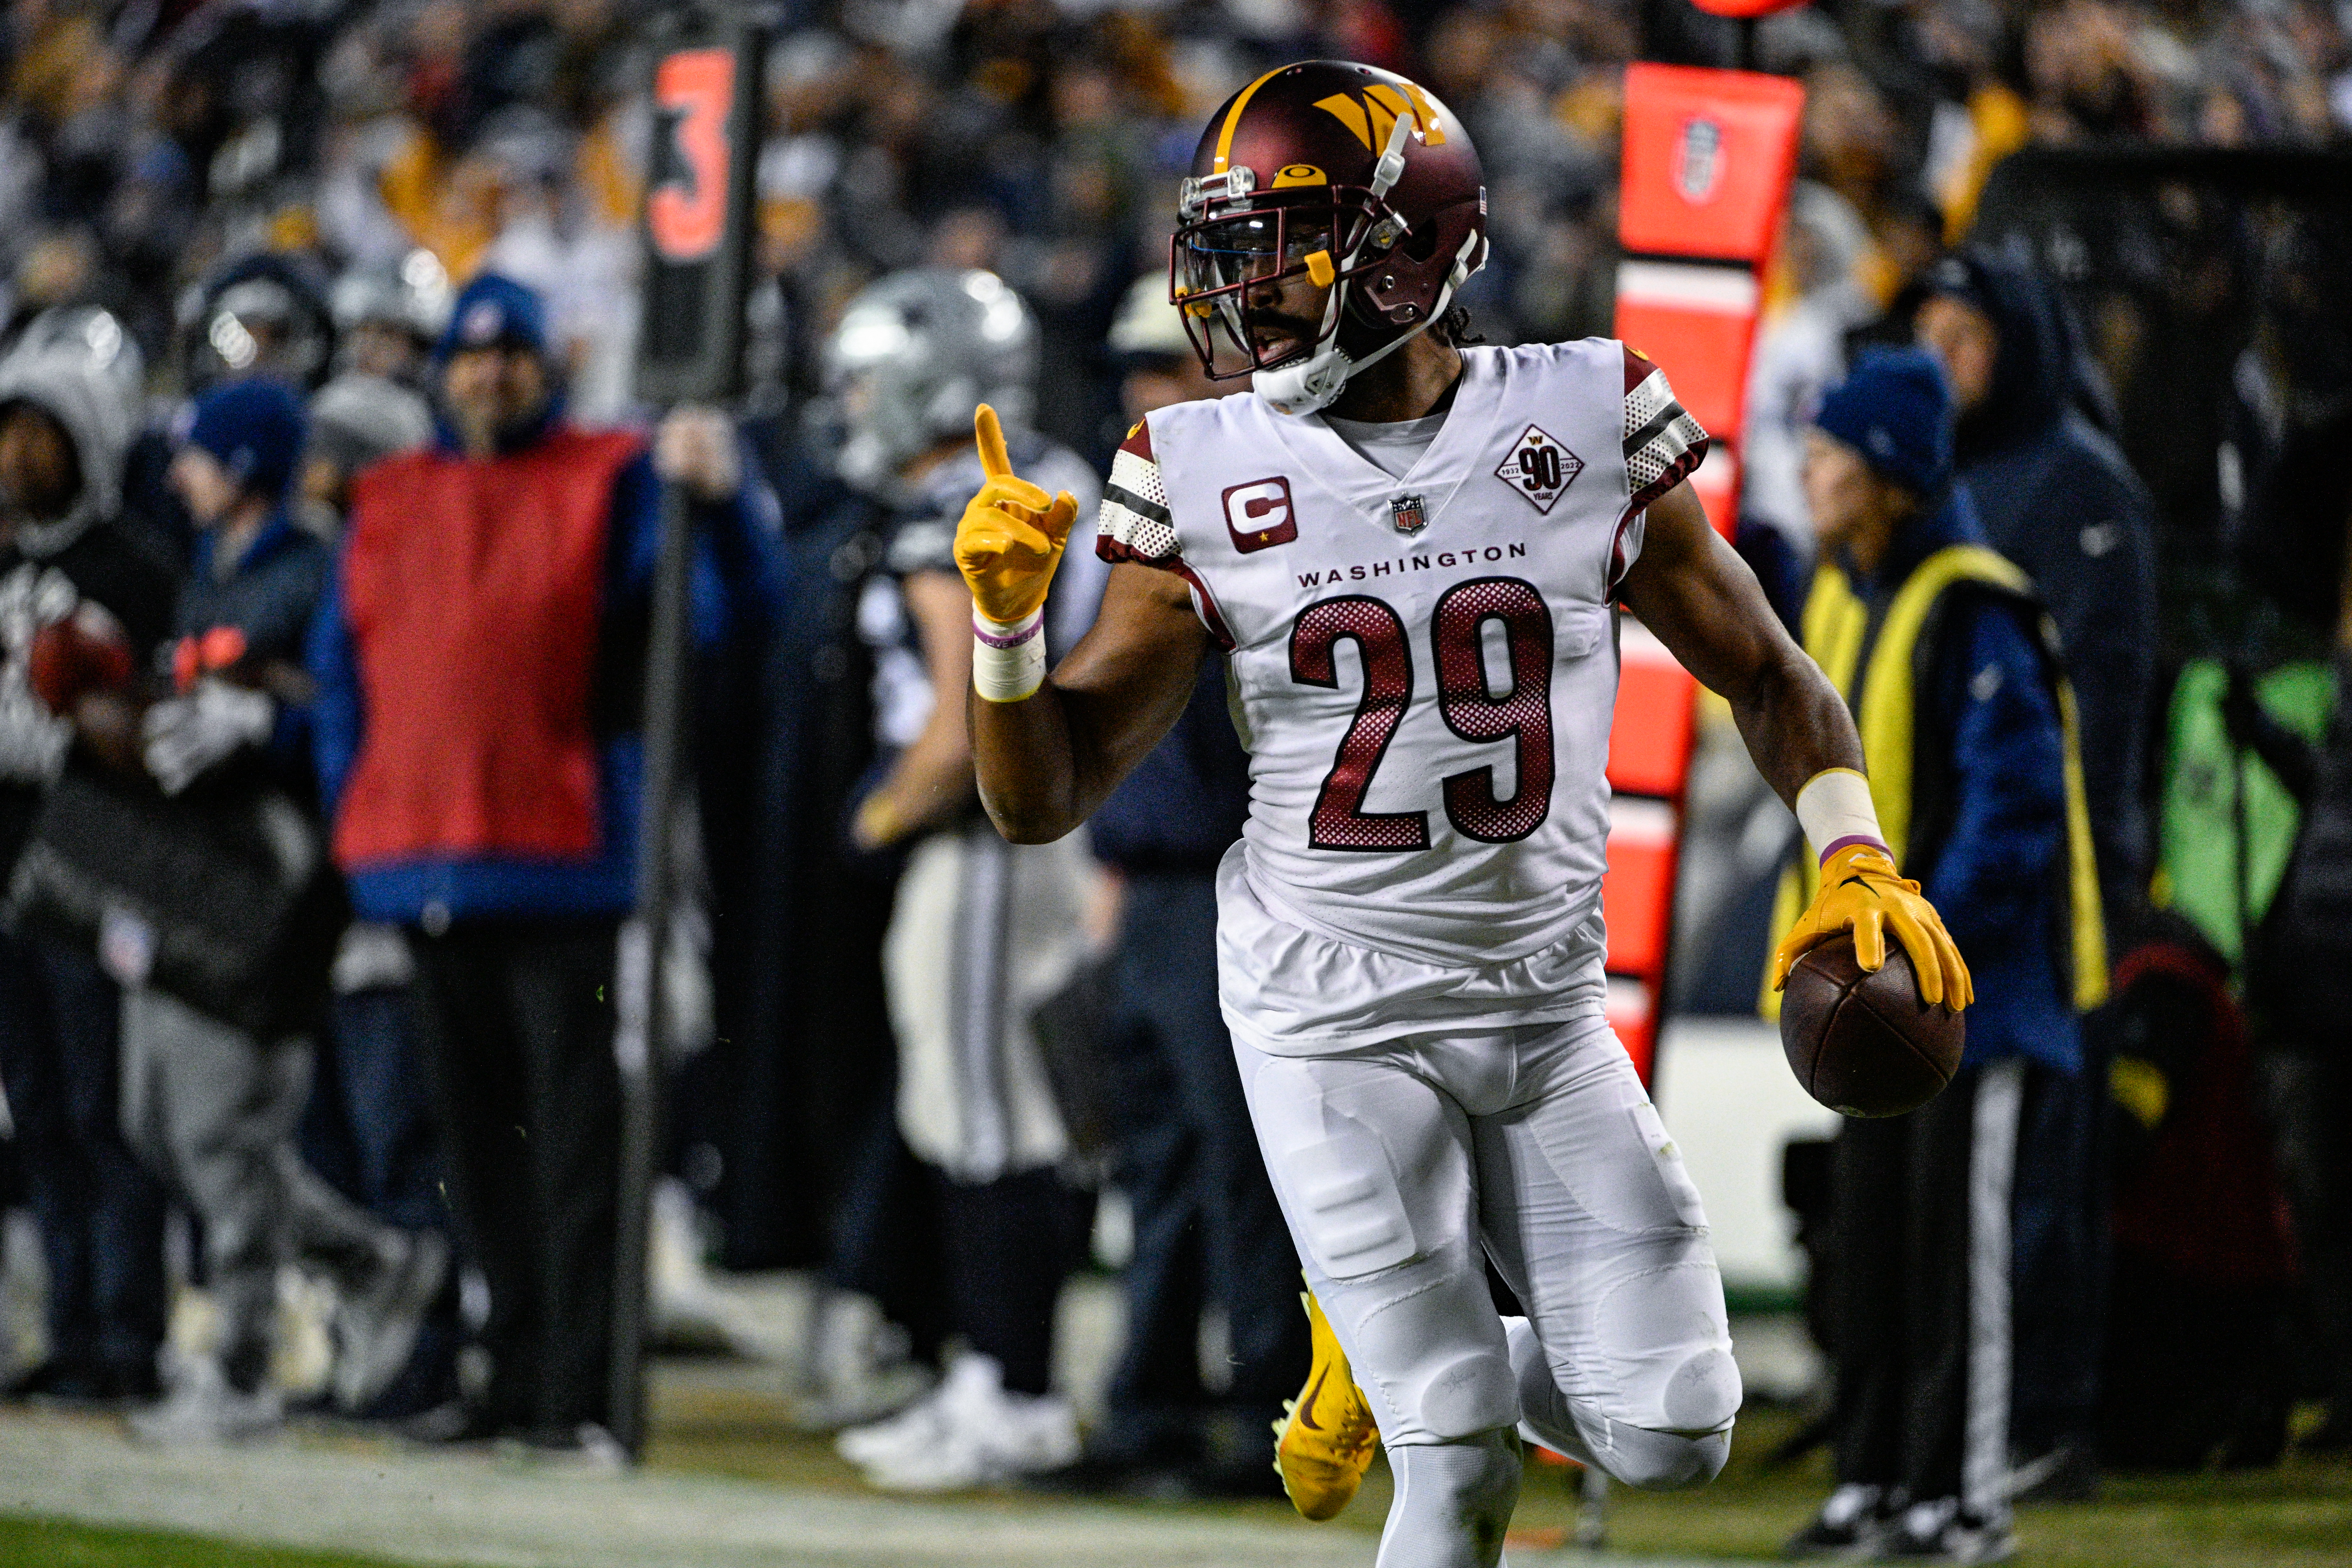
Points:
x=480 y=661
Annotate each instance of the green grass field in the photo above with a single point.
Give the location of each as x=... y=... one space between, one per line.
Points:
x=2299 y=1516
x=58 y=1543
x=2296 y=1516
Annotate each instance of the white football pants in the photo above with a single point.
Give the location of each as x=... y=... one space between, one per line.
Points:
x=1397 y=1165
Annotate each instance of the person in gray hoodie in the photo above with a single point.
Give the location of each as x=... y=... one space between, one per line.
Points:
x=65 y=423
x=208 y=1105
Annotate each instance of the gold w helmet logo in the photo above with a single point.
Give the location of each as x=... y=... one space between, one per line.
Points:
x=1374 y=116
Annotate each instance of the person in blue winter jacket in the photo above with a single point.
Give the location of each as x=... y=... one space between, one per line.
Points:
x=480 y=662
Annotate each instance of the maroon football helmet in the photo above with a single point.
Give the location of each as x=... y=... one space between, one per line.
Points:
x=1351 y=174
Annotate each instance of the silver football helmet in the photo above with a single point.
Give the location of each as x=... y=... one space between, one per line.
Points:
x=914 y=354
x=413 y=296
x=94 y=332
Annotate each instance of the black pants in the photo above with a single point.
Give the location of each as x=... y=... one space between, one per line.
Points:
x=2309 y=1091
x=100 y=1212
x=983 y=1261
x=1921 y=1228
x=1207 y=1227
x=516 y=1024
x=1009 y=1246
x=886 y=1240
x=2061 y=1255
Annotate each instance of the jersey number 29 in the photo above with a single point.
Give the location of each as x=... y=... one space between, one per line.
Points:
x=1522 y=714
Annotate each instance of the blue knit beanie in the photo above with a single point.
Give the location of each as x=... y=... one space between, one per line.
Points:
x=494 y=311
x=1893 y=409
x=254 y=428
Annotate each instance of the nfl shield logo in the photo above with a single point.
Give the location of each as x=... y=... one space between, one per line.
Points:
x=1406 y=513
x=1698 y=159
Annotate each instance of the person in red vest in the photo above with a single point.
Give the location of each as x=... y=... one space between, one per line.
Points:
x=480 y=656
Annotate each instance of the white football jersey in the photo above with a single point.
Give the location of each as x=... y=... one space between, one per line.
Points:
x=1423 y=673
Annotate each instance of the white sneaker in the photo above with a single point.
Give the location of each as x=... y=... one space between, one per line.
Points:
x=919 y=1425
x=205 y=1411
x=859 y=1372
x=377 y=1327
x=983 y=1434
x=1940 y=1531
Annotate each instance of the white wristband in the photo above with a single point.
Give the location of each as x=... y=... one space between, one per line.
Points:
x=1008 y=662
x=1834 y=810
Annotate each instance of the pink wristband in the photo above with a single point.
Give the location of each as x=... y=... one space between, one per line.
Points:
x=993 y=634
x=1850 y=839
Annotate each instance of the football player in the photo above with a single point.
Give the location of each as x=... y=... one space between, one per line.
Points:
x=1409 y=549
x=982 y=931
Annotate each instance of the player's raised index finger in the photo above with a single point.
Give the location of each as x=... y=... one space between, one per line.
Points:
x=994 y=460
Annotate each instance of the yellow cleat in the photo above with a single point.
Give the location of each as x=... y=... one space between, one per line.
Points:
x=1325 y=1441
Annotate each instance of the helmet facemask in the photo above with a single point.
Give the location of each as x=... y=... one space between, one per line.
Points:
x=1229 y=247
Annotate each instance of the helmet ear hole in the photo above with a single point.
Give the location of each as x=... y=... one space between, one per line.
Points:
x=1419 y=242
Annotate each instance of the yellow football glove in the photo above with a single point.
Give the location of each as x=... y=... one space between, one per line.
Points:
x=1012 y=534
x=1862 y=892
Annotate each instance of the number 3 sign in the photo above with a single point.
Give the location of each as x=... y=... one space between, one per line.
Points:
x=694 y=93
x=704 y=94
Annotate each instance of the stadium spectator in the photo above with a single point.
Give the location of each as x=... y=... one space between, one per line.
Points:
x=210 y=1107
x=1990 y=789
x=64 y=425
x=2300 y=982
x=2057 y=497
x=1206 y=1226
x=368 y=1130
x=1799 y=352
x=357 y=419
x=983 y=932
x=480 y=656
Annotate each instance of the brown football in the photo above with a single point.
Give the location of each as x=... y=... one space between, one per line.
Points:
x=1864 y=1045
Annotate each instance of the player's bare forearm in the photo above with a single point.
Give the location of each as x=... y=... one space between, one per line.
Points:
x=1692 y=589
x=1047 y=761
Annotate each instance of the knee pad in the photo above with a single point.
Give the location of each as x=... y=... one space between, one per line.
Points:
x=1472 y=1393
x=1660 y=1461
x=1454 y=1503
x=1668 y=1350
x=1425 y=1344
x=1704 y=1393
x=1691 y=1454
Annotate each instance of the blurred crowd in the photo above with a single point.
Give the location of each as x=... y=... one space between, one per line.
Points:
x=301 y=298
x=149 y=145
